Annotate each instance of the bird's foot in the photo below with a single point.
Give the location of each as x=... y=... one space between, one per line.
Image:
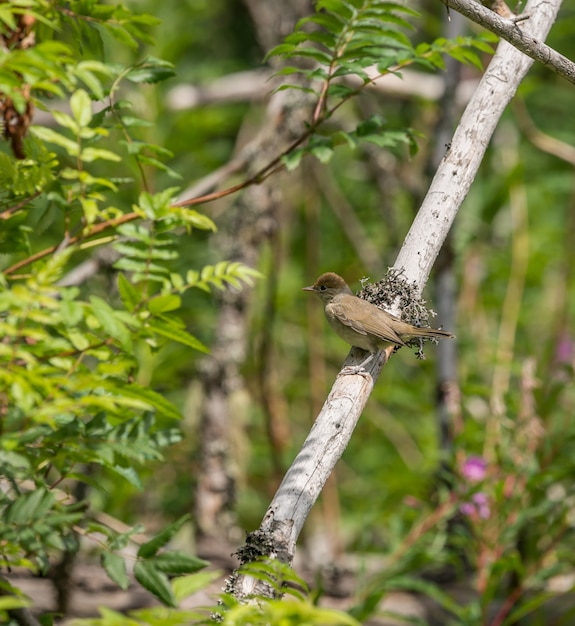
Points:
x=358 y=369
x=353 y=370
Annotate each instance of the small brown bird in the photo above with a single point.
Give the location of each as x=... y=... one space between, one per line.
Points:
x=361 y=323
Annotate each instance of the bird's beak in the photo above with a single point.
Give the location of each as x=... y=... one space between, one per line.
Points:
x=310 y=288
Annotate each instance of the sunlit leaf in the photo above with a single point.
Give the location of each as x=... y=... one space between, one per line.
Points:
x=155 y=582
x=115 y=567
x=150 y=548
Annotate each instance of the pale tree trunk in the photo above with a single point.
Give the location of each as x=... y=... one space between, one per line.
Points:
x=251 y=222
x=447 y=388
x=334 y=425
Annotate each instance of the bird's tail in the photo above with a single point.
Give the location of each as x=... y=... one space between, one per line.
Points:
x=432 y=333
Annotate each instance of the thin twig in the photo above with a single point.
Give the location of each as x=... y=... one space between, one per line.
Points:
x=509 y=30
x=7 y=213
x=95 y=230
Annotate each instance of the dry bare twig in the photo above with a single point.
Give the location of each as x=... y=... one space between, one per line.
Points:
x=525 y=39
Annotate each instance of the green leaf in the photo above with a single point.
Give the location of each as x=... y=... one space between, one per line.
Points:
x=109 y=321
x=164 y=303
x=337 y=7
x=115 y=567
x=81 y=107
x=10 y=461
x=72 y=312
x=528 y=605
x=121 y=35
x=471 y=57
x=482 y=45
x=130 y=295
x=30 y=506
x=322 y=152
x=91 y=81
x=7 y=17
x=286 y=612
x=113 y=618
x=150 y=548
x=151 y=70
x=136 y=231
x=129 y=474
x=330 y=21
x=279 y=50
x=198 y=220
x=154 y=399
x=185 y=586
x=171 y=331
x=155 y=582
x=298 y=87
x=51 y=136
x=287 y=70
x=315 y=54
x=93 y=154
x=142 y=267
x=146 y=160
x=11 y=602
x=135 y=250
x=135 y=122
x=178 y=563
x=341 y=91
x=293 y=159
x=65 y=120
x=340 y=137
x=95 y=483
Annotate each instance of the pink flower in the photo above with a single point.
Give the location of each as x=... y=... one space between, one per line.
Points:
x=479 y=506
x=467 y=509
x=564 y=349
x=474 y=469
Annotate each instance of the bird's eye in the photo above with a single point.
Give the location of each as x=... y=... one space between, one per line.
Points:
x=323 y=288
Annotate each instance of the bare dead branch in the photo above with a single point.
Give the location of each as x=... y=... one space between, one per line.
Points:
x=236 y=87
x=539 y=139
x=522 y=38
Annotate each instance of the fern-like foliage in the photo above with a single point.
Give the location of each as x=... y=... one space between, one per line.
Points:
x=365 y=39
x=75 y=405
x=69 y=390
x=348 y=36
x=150 y=290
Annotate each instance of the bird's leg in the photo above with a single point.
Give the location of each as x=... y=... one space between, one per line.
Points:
x=356 y=369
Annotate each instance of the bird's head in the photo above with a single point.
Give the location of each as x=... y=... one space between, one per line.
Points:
x=329 y=285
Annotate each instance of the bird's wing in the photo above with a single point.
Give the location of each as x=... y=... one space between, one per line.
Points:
x=338 y=311
x=367 y=319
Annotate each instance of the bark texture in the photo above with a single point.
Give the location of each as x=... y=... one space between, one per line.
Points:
x=251 y=221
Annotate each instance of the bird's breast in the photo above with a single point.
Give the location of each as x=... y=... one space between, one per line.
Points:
x=345 y=327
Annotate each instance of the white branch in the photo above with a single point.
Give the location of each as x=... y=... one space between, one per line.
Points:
x=470 y=140
x=334 y=425
x=257 y=85
x=516 y=32
x=236 y=87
